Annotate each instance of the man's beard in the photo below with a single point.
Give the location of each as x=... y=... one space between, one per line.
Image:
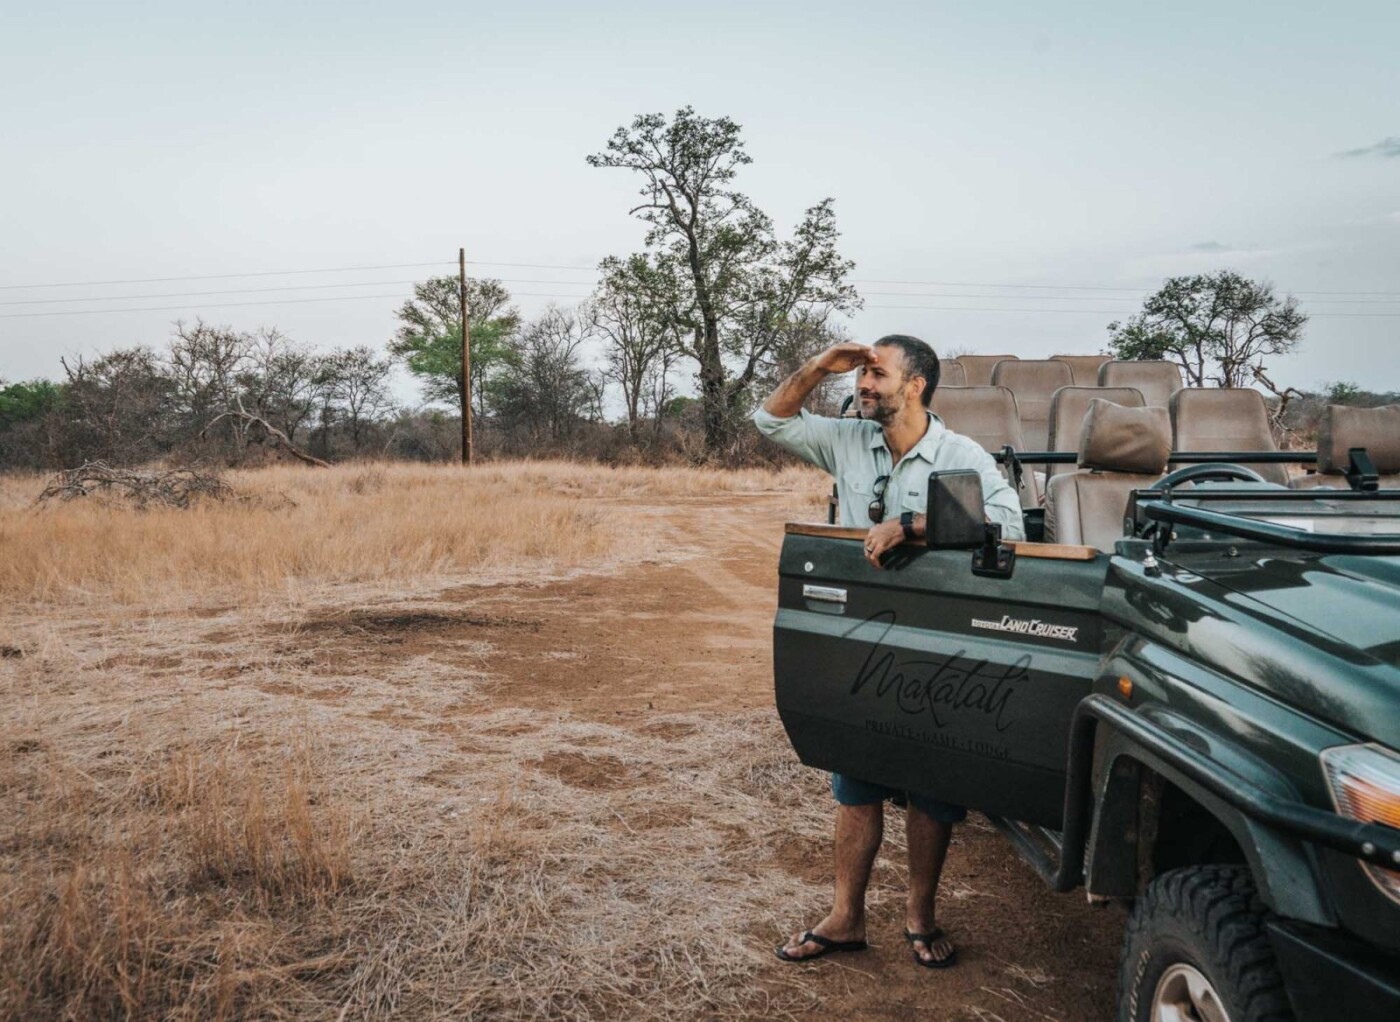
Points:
x=884 y=410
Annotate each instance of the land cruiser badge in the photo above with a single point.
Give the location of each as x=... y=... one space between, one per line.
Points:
x=1028 y=626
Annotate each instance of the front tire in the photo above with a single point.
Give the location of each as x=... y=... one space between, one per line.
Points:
x=1196 y=949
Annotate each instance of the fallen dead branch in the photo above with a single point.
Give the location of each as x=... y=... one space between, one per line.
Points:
x=180 y=488
x=259 y=430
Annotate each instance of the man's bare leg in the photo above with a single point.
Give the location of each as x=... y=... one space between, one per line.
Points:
x=928 y=847
x=859 y=830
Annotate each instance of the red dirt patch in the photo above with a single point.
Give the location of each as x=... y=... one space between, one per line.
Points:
x=591 y=773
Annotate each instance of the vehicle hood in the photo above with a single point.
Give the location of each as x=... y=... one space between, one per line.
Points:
x=1324 y=634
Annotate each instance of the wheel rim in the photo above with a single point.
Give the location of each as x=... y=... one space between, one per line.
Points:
x=1185 y=995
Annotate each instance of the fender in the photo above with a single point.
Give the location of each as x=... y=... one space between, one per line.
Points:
x=1264 y=822
x=1283 y=866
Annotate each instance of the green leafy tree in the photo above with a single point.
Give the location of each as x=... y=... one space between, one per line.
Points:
x=430 y=340
x=25 y=402
x=1342 y=393
x=1218 y=327
x=714 y=267
x=29 y=420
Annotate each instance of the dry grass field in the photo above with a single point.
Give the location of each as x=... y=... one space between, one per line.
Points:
x=419 y=742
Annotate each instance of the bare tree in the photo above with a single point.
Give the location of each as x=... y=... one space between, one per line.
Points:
x=637 y=338
x=358 y=384
x=804 y=334
x=117 y=407
x=280 y=380
x=658 y=390
x=206 y=363
x=546 y=392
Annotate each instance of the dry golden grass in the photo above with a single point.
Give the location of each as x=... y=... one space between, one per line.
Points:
x=216 y=884
x=374 y=523
x=156 y=883
x=202 y=828
x=400 y=793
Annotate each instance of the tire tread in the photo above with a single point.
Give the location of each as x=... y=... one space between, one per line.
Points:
x=1220 y=906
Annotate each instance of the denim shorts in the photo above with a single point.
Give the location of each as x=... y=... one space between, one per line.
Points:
x=851 y=792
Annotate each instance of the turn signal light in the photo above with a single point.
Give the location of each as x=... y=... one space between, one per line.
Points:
x=1365 y=783
x=1125 y=687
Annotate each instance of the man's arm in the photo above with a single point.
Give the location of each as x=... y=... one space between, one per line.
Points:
x=786 y=401
x=1000 y=502
x=782 y=420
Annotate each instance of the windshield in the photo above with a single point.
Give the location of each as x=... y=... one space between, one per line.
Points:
x=1379 y=517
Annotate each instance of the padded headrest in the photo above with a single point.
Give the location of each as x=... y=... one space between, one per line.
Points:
x=1119 y=439
x=1158 y=381
x=1343 y=427
x=985 y=414
x=1069 y=405
x=1084 y=368
x=978 y=368
x=1033 y=381
x=1040 y=377
x=951 y=373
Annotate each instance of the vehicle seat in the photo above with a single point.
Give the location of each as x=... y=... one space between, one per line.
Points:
x=1342 y=428
x=1227 y=419
x=1120 y=450
x=988 y=416
x=1084 y=368
x=951 y=373
x=1034 y=382
x=1068 y=406
x=978 y=368
x=1157 y=381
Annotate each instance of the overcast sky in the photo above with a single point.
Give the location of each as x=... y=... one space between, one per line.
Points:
x=1097 y=145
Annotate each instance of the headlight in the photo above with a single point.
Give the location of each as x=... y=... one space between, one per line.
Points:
x=1365 y=783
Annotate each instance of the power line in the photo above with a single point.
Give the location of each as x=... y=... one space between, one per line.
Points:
x=562 y=266
x=545 y=294
x=1114 y=312
x=267 y=290
x=1094 y=298
x=1080 y=287
x=592 y=283
x=222 y=276
x=235 y=305
x=179 y=308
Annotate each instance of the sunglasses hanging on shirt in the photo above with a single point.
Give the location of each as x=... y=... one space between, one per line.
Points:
x=876 y=510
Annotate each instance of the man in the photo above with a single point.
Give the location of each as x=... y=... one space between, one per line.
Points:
x=881 y=462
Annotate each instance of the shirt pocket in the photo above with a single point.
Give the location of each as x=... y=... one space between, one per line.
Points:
x=859 y=484
x=915 y=500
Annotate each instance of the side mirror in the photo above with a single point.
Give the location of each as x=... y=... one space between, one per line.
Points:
x=957 y=520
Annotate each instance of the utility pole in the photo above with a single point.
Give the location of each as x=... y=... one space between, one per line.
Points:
x=466 y=359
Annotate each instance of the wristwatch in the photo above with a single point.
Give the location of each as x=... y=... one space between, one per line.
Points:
x=906 y=520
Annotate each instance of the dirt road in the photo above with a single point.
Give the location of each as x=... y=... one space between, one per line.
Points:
x=692 y=634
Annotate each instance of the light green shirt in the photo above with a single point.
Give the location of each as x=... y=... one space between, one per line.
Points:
x=854 y=451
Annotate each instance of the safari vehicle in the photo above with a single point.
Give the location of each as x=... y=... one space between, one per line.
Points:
x=1186 y=695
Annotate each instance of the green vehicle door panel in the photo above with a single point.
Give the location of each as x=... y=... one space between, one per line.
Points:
x=930 y=679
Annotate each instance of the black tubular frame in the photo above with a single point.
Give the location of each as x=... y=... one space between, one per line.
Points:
x=1008 y=454
x=1373 y=842
x=1159 y=506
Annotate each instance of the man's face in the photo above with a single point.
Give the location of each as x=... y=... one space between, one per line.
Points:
x=884 y=388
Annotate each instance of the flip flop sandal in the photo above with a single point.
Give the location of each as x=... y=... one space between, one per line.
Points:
x=825 y=945
x=928 y=940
